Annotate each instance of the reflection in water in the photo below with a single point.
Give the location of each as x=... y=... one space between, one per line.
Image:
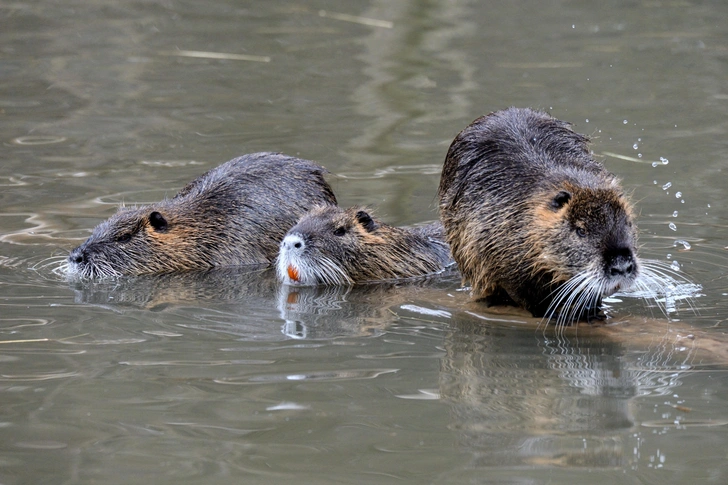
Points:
x=155 y=292
x=395 y=96
x=520 y=398
x=515 y=405
x=228 y=300
x=315 y=312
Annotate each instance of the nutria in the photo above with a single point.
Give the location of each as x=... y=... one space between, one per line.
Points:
x=533 y=219
x=235 y=214
x=334 y=246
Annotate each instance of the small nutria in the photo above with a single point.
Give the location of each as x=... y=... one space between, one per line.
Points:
x=235 y=214
x=334 y=246
x=533 y=219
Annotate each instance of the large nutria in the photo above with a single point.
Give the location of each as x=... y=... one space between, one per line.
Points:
x=235 y=214
x=533 y=219
x=334 y=246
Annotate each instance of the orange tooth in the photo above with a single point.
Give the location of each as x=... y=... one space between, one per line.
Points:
x=292 y=273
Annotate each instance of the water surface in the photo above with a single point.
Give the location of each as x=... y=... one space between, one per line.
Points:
x=228 y=378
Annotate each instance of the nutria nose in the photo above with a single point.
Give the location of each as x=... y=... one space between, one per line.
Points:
x=621 y=265
x=293 y=242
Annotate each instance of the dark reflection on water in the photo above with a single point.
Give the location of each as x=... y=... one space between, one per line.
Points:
x=538 y=400
x=227 y=377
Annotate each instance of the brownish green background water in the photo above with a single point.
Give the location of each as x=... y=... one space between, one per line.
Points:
x=230 y=379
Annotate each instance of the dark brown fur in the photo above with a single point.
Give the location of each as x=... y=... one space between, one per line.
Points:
x=331 y=245
x=527 y=210
x=235 y=214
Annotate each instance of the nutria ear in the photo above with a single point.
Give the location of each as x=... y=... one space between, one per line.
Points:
x=560 y=199
x=157 y=221
x=366 y=221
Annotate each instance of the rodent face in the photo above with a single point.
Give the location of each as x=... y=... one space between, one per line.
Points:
x=135 y=241
x=586 y=240
x=327 y=246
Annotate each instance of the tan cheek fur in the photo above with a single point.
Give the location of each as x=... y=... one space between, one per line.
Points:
x=369 y=238
x=179 y=241
x=546 y=222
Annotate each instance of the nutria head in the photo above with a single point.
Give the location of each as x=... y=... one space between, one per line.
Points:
x=583 y=245
x=334 y=246
x=531 y=216
x=234 y=214
x=160 y=238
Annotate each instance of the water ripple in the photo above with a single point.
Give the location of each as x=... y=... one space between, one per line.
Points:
x=196 y=363
x=403 y=355
x=38 y=140
x=687 y=423
x=309 y=376
x=37 y=377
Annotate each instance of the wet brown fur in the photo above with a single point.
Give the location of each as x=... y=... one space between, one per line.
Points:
x=235 y=214
x=365 y=249
x=526 y=209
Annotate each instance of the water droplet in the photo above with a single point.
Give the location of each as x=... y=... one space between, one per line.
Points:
x=678 y=194
x=639 y=139
x=667 y=186
x=672 y=226
x=587 y=120
x=639 y=155
x=635 y=146
x=675 y=265
x=654 y=164
x=664 y=160
x=684 y=243
x=654 y=182
x=669 y=256
x=625 y=122
x=708 y=206
x=674 y=214
x=682 y=201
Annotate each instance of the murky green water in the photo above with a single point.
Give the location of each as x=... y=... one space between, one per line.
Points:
x=227 y=378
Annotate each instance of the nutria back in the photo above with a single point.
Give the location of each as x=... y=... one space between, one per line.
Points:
x=335 y=246
x=235 y=214
x=532 y=218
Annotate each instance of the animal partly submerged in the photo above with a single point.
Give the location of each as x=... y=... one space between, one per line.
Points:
x=533 y=220
x=334 y=246
x=235 y=214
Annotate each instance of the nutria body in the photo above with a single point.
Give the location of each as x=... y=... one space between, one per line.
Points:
x=334 y=246
x=533 y=219
x=235 y=214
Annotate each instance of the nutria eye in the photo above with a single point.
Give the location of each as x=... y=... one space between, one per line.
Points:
x=157 y=221
x=581 y=232
x=366 y=221
x=561 y=199
x=122 y=238
x=339 y=231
